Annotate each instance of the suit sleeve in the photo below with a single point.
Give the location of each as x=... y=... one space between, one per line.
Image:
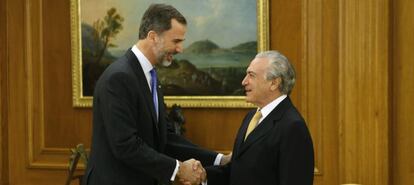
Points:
x=182 y=149
x=296 y=155
x=117 y=103
x=218 y=175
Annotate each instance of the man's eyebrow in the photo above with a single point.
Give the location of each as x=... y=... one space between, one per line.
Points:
x=178 y=40
x=250 y=72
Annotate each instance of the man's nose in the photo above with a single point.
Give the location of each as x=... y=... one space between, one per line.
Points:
x=244 y=81
x=179 y=48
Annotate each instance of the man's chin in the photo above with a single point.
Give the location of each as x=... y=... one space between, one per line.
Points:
x=166 y=63
x=248 y=100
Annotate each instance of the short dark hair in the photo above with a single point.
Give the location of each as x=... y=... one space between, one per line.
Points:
x=158 y=18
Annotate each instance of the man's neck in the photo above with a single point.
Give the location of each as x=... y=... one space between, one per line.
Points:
x=269 y=99
x=146 y=49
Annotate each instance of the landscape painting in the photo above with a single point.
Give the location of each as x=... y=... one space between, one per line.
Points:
x=221 y=40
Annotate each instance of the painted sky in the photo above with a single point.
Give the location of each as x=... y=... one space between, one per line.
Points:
x=225 y=22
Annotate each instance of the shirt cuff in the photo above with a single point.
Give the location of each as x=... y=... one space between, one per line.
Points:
x=218 y=159
x=204 y=183
x=175 y=171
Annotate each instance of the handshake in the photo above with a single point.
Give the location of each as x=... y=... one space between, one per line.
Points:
x=190 y=172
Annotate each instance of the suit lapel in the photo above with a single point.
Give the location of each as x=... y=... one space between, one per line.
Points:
x=263 y=128
x=242 y=132
x=162 y=122
x=136 y=67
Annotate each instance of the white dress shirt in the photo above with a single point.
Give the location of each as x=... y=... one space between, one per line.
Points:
x=145 y=64
x=269 y=107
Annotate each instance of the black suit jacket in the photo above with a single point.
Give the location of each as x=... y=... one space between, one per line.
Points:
x=129 y=145
x=279 y=151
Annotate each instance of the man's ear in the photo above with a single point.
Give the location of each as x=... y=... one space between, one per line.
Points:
x=152 y=35
x=275 y=83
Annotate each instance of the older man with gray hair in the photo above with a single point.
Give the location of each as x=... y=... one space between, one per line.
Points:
x=273 y=145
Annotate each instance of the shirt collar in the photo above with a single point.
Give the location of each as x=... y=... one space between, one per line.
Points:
x=145 y=64
x=272 y=105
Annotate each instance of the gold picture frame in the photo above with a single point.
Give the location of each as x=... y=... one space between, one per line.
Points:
x=79 y=100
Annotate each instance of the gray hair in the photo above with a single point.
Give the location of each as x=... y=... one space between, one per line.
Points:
x=279 y=66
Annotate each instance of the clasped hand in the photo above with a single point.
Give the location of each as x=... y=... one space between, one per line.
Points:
x=190 y=172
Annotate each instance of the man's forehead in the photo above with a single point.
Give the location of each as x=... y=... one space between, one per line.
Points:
x=252 y=69
x=257 y=66
x=177 y=25
x=258 y=63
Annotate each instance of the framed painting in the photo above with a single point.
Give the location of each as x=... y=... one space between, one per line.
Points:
x=222 y=38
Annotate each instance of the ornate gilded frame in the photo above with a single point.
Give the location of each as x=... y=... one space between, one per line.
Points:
x=185 y=101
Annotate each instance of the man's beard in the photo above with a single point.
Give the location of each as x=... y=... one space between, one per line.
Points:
x=166 y=63
x=161 y=59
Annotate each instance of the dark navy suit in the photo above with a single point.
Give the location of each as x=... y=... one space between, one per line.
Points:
x=129 y=145
x=279 y=151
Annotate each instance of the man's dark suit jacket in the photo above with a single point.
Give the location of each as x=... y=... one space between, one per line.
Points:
x=279 y=151
x=129 y=145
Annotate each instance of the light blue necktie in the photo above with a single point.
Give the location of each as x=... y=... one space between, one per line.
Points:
x=154 y=89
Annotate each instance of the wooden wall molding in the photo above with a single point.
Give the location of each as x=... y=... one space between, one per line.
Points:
x=402 y=90
x=39 y=156
x=363 y=91
x=21 y=108
x=4 y=162
x=311 y=75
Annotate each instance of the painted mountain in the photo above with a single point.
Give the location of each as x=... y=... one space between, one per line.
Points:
x=205 y=69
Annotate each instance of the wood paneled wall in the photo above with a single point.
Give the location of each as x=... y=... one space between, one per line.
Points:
x=319 y=76
x=354 y=83
x=363 y=91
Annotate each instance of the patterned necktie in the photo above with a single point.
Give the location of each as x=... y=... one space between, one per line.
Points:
x=253 y=123
x=154 y=89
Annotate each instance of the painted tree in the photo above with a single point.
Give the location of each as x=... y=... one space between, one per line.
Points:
x=105 y=31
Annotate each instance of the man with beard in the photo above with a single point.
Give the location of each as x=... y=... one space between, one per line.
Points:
x=131 y=143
